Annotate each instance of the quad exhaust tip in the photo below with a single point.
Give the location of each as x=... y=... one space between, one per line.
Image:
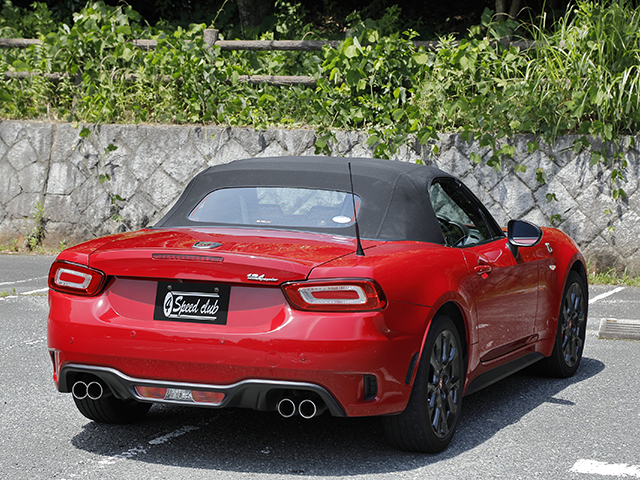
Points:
x=286 y=408
x=307 y=408
x=91 y=390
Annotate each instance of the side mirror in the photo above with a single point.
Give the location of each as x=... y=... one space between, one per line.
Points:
x=521 y=233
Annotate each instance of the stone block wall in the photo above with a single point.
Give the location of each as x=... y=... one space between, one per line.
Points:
x=51 y=165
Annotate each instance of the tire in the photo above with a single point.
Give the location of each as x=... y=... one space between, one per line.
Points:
x=572 y=325
x=109 y=409
x=429 y=421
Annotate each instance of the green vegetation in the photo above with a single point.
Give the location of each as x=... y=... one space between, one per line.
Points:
x=12 y=247
x=583 y=78
x=34 y=239
x=611 y=277
x=25 y=23
x=7 y=293
x=286 y=19
x=15 y=246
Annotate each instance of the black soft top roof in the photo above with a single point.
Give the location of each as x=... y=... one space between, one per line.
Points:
x=394 y=195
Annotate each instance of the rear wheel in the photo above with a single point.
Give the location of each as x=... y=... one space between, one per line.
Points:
x=109 y=409
x=430 y=419
x=572 y=324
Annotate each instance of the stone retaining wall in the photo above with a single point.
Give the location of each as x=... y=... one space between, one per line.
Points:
x=49 y=164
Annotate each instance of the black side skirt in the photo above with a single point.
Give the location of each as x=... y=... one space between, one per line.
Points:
x=503 y=371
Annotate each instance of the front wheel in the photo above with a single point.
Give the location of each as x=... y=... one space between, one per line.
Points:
x=572 y=324
x=429 y=421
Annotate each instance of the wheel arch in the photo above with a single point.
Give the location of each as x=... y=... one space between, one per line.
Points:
x=576 y=264
x=580 y=269
x=454 y=311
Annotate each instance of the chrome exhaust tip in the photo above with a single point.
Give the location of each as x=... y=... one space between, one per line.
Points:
x=79 y=390
x=94 y=390
x=307 y=409
x=286 y=408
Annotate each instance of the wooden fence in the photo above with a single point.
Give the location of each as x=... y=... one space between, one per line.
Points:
x=211 y=39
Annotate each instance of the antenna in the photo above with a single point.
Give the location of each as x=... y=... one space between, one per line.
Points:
x=359 y=249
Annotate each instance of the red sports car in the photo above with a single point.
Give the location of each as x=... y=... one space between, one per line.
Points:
x=310 y=284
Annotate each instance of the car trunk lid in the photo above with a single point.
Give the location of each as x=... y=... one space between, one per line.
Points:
x=230 y=256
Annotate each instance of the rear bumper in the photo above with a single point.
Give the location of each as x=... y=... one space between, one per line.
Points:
x=332 y=355
x=256 y=394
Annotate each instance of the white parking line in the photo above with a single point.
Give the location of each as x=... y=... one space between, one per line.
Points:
x=609 y=469
x=22 y=294
x=13 y=282
x=605 y=295
x=40 y=290
x=28 y=343
x=174 y=434
x=141 y=449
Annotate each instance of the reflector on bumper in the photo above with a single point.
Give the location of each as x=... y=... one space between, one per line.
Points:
x=180 y=395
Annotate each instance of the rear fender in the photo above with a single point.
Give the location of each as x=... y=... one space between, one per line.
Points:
x=566 y=253
x=414 y=273
x=567 y=257
x=451 y=307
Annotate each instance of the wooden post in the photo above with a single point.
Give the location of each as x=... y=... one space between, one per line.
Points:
x=210 y=37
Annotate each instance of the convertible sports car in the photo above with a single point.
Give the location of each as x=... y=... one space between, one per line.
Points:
x=311 y=284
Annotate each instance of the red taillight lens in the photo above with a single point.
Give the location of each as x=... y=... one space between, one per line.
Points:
x=335 y=295
x=73 y=278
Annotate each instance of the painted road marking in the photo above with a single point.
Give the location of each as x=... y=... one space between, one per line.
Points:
x=603 y=468
x=141 y=449
x=40 y=290
x=13 y=282
x=605 y=295
x=24 y=294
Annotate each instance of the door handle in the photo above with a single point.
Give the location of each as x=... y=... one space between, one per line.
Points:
x=483 y=270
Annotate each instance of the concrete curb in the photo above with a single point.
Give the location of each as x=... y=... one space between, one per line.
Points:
x=619 y=329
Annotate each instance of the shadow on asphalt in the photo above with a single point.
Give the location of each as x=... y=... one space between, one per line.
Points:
x=238 y=440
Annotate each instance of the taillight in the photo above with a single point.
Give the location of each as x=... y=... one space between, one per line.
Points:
x=335 y=295
x=73 y=278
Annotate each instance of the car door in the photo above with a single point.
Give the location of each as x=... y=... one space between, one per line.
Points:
x=505 y=286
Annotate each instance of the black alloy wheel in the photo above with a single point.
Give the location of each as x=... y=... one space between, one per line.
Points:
x=572 y=325
x=443 y=384
x=429 y=421
x=573 y=322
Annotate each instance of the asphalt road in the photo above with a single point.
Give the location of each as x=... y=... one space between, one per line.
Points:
x=526 y=426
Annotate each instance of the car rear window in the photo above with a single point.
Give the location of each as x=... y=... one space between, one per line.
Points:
x=276 y=206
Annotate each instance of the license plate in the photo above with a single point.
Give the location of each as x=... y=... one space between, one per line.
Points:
x=192 y=302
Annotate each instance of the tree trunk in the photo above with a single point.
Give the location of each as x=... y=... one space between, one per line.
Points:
x=515 y=9
x=253 y=12
x=501 y=10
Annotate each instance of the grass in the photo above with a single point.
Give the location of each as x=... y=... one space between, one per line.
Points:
x=14 y=247
x=612 y=277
